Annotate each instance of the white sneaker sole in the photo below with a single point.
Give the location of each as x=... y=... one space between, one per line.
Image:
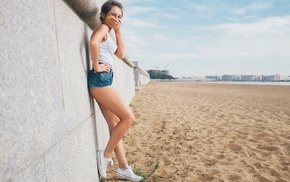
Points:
x=102 y=178
x=124 y=177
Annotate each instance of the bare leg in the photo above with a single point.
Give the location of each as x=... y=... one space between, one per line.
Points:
x=112 y=121
x=110 y=99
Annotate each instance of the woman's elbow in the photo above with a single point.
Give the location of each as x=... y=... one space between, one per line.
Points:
x=120 y=55
x=94 y=44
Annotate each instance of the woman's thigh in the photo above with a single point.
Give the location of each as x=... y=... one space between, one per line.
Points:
x=110 y=99
x=110 y=117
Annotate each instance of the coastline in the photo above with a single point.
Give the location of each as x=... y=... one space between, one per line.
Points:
x=282 y=83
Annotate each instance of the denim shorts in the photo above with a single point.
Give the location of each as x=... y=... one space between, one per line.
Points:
x=100 y=79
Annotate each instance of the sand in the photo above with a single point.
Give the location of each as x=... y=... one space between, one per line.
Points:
x=210 y=132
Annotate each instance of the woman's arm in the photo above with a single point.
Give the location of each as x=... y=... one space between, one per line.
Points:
x=116 y=25
x=95 y=41
x=120 y=52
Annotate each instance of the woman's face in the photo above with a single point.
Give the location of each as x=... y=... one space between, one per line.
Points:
x=115 y=13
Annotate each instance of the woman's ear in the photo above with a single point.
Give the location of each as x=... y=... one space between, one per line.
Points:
x=103 y=15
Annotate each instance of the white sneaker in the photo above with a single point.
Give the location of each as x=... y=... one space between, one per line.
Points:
x=103 y=162
x=128 y=174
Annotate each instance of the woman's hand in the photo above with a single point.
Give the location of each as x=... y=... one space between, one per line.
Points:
x=102 y=68
x=115 y=24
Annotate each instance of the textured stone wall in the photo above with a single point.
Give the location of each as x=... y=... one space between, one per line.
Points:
x=50 y=127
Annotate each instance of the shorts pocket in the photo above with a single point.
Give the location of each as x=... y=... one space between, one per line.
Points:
x=103 y=77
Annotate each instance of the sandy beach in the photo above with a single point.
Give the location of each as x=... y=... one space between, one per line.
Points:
x=210 y=132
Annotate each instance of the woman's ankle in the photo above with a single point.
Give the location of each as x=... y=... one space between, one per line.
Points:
x=123 y=166
x=107 y=155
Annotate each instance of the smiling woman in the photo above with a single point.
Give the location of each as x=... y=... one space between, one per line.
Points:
x=116 y=112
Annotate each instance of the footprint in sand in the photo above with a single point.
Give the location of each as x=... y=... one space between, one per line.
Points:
x=261 y=178
x=234 y=177
x=268 y=148
x=235 y=147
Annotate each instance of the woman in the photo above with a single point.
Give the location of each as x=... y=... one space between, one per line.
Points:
x=117 y=113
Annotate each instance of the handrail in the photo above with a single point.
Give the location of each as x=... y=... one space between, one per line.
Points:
x=87 y=10
x=127 y=61
x=145 y=73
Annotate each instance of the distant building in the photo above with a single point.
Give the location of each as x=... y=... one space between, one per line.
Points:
x=212 y=77
x=271 y=78
x=238 y=78
x=268 y=78
x=277 y=77
x=284 y=78
x=158 y=72
x=228 y=77
x=259 y=78
x=248 y=78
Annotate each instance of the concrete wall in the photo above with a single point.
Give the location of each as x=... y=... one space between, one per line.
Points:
x=50 y=127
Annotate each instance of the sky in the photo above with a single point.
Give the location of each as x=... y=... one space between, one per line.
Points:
x=209 y=37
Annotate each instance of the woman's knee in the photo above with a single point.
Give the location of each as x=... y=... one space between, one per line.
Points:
x=132 y=119
x=129 y=118
x=113 y=123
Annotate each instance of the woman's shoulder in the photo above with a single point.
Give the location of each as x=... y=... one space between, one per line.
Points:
x=102 y=27
x=101 y=31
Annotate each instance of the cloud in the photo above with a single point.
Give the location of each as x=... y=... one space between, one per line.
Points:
x=141 y=23
x=159 y=37
x=166 y=15
x=200 y=7
x=174 y=56
x=266 y=26
x=267 y=39
x=270 y=25
x=138 y=10
x=254 y=7
x=133 y=38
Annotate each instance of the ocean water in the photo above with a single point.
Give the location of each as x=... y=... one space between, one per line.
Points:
x=253 y=83
x=223 y=82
